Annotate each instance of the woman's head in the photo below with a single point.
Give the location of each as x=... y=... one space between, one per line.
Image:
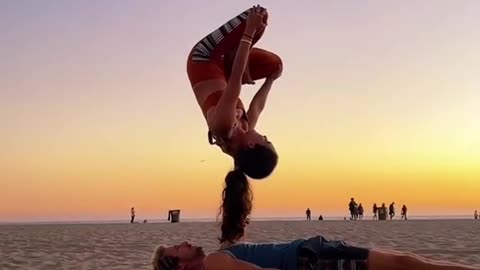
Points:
x=253 y=154
x=257 y=161
x=236 y=206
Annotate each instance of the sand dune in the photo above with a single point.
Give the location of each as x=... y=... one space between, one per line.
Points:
x=129 y=246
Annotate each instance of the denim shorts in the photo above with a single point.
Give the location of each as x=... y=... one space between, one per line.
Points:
x=318 y=253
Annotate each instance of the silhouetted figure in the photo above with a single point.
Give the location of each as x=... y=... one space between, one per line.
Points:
x=352 y=206
x=475 y=215
x=375 y=210
x=320 y=217
x=132 y=213
x=308 y=212
x=360 y=211
x=391 y=210
x=404 y=212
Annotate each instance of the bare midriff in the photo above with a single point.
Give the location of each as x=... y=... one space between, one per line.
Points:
x=209 y=93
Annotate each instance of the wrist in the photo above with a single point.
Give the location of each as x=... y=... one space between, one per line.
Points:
x=249 y=31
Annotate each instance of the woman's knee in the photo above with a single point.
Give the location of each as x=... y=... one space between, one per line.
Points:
x=263 y=63
x=277 y=62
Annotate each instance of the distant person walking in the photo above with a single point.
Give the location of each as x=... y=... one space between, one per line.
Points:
x=391 y=210
x=404 y=212
x=352 y=207
x=132 y=213
x=475 y=215
x=360 y=211
x=375 y=210
x=308 y=212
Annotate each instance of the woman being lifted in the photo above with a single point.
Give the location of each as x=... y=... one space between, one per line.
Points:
x=217 y=67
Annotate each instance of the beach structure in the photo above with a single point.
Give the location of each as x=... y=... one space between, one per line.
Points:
x=174 y=215
x=382 y=213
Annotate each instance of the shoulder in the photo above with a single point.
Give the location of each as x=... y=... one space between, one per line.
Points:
x=222 y=259
x=218 y=260
x=221 y=256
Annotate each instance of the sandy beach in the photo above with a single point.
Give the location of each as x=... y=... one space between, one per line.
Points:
x=129 y=246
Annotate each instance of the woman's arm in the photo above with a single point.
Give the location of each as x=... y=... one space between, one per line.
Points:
x=246 y=77
x=260 y=99
x=224 y=116
x=258 y=103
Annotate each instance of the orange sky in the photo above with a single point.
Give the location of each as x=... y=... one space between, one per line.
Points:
x=378 y=102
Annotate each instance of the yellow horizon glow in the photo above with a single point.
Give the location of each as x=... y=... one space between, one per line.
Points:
x=378 y=102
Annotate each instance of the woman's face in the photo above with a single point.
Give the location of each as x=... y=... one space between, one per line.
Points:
x=244 y=138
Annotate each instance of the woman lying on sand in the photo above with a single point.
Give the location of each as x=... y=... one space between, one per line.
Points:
x=302 y=254
x=217 y=67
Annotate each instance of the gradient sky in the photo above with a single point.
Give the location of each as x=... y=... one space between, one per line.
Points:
x=379 y=100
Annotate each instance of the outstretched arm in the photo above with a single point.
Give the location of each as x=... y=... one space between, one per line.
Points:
x=389 y=260
x=260 y=99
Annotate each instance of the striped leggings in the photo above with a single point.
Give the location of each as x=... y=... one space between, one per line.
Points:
x=207 y=60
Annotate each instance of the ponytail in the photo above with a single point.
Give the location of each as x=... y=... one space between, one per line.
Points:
x=237 y=199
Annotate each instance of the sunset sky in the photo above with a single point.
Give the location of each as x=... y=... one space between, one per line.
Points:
x=379 y=100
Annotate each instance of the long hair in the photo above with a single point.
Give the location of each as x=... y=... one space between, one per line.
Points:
x=236 y=206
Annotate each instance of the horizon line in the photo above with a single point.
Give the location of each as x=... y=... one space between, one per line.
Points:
x=210 y=219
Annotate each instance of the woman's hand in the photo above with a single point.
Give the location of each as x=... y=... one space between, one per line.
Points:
x=256 y=19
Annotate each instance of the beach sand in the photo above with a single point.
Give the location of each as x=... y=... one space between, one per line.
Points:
x=129 y=246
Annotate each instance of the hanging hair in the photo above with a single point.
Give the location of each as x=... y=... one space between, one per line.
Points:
x=236 y=206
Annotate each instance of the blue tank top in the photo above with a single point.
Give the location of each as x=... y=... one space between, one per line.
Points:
x=280 y=256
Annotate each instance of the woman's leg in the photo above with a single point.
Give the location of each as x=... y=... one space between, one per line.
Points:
x=261 y=64
x=206 y=60
x=227 y=37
